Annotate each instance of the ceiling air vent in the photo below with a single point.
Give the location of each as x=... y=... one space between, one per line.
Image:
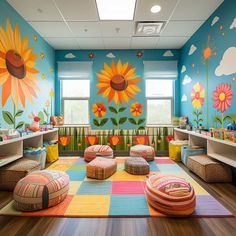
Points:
x=149 y=28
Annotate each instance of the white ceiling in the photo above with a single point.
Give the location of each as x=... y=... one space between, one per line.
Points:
x=75 y=24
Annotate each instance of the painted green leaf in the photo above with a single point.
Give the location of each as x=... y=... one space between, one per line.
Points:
x=41 y=116
x=96 y=122
x=141 y=128
x=103 y=122
x=122 y=120
x=132 y=121
x=140 y=121
x=113 y=110
x=217 y=119
x=114 y=122
x=27 y=125
x=45 y=112
x=200 y=120
x=8 y=117
x=122 y=109
x=200 y=113
x=19 y=113
x=20 y=125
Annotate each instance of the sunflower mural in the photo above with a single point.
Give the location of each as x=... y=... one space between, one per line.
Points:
x=136 y=110
x=197 y=96
x=17 y=72
x=222 y=97
x=118 y=83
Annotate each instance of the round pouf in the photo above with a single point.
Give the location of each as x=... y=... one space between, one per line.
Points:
x=94 y=151
x=170 y=195
x=136 y=166
x=147 y=152
x=40 y=190
x=101 y=168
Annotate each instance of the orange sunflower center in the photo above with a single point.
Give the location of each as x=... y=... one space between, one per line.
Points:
x=222 y=97
x=118 y=82
x=15 y=64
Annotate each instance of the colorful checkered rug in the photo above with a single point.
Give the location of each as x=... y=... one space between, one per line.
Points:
x=121 y=195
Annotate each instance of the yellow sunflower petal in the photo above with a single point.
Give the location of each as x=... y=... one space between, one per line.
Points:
x=108 y=69
x=114 y=68
x=119 y=67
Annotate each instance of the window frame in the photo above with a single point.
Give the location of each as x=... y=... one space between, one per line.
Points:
x=170 y=98
x=75 y=99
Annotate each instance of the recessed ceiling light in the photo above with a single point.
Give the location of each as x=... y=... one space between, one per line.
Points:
x=156 y=9
x=116 y=9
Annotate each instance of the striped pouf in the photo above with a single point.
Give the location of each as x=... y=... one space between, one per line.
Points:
x=170 y=195
x=40 y=190
x=147 y=152
x=101 y=168
x=93 y=151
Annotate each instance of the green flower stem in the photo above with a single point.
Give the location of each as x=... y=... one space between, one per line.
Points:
x=117 y=117
x=51 y=105
x=207 y=86
x=222 y=120
x=136 y=123
x=14 y=115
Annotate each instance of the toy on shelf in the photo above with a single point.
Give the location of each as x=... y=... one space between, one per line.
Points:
x=35 y=124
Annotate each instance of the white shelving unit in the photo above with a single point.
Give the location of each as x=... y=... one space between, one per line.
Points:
x=221 y=150
x=11 y=150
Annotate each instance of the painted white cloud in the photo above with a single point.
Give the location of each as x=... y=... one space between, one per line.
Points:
x=110 y=55
x=186 y=80
x=70 y=55
x=168 y=53
x=183 y=69
x=233 y=25
x=215 y=20
x=184 y=98
x=227 y=64
x=192 y=49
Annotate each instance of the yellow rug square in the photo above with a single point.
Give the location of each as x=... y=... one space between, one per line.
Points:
x=124 y=176
x=89 y=205
x=74 y=186
x=198 y=189
x=61 y=167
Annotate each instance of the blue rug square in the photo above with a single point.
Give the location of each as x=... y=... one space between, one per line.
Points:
x=95 y=188
x=127 y=205
x=153 y=166
x=76 y=175
x=169 y=168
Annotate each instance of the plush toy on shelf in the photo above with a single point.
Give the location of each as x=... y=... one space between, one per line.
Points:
x=35 y=124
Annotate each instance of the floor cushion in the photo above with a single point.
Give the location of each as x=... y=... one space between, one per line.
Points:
x=170 y=195
x=40 y=190
x=136 y=166
x=101 y=168
x=187 y=151
x=209 y=169
x=93 y=151
x=10 y=174
x=147 y=152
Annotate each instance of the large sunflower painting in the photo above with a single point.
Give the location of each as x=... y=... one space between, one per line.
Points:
x=118 y=83
x=17 y=67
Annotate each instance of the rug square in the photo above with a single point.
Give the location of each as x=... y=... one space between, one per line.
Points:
x=61 y=167
x=198 y=189
x=128 y=187
x=81 y=160
x=124 y=176
x=67 y=160
x=78 y=167
x=207 y=205
x=169 y=168
x=74 y=186
x=129 y=205
x=153 y=166
x=76 y=175
x=120 y=160
x=120 y=167
x=95 y=188
x=91 y=179
x=164 y=161
x=89 y=205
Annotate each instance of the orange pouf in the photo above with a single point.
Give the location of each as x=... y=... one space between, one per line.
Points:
x=94 y=151
x=170 y=195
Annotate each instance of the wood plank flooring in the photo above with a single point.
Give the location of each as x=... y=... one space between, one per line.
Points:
x=225 y=193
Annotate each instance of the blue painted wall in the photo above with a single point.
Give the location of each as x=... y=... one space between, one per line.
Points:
x=44 y=64
x=100 y=57
x=210 y=55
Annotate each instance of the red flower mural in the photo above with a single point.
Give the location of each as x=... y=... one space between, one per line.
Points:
x=64 y=140
x=92 y=139
x=141 y=139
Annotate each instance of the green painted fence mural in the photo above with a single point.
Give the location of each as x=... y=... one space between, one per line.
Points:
x=78 y=138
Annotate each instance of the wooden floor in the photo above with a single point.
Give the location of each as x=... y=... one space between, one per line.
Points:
x=225 y=193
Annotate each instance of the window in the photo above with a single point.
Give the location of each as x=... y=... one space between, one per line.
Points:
x=159 y=95
x=75 y=96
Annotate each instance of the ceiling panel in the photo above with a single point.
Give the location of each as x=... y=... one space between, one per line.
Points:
x=90 y=43
x=85 y=29
x=78 y=10
x=195 y=9
x=181 y=28
x=144 y=42
x=117 y=28
x=31 y=10
x=52 y=29
x=63 y=43
x=143 y=8
x=116 y=43
x=171 y=42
